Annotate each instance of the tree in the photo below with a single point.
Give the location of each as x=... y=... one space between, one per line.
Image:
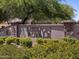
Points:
x=66 y=13
x=38 y=10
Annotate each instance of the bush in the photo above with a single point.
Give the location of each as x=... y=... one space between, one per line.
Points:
x=17 y=41
x=69 y=40
x=40 y=41
x=68 y=48
x=43 y=41
x=2 y=40
x=26 y=42
x=10 y=40
x=12 y=51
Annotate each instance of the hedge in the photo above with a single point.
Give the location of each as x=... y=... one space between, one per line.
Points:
x=66 y=48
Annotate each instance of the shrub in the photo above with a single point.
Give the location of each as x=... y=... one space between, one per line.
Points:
x=12 y=51
x=2 y=40
x=10 y=40
x=40 y=41
x=26 y=42
x=69 y=40
x=68 y=48
x=17 y=41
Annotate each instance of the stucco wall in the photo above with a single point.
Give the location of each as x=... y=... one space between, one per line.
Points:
x=38 y=30
x=42 y=30
x=57 y=31
x=76 y=31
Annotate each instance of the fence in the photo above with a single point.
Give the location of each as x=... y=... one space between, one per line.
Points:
x=41 y=30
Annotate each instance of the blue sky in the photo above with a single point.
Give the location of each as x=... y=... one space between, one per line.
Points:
x=75 y=5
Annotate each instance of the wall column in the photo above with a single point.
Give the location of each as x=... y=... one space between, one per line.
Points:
x=68 y=28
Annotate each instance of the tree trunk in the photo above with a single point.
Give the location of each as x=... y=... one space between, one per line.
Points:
x=27 y=17
x=23 y=22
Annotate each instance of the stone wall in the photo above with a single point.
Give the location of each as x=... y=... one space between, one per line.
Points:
x=41 y=30
x=9 y=31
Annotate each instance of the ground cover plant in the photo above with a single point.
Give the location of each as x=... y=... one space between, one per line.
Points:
x=21 y=48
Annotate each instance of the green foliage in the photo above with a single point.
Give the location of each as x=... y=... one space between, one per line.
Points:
x=26 y=42
x=11 y=52
x=1 y=41
x=17 y=41
x=66 y=48
x=69 y=39
x=10 y=40
x=39 y=41
x=42 y=41
x=38 y=10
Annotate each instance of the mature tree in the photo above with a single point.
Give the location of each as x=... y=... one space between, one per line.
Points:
x=65 y=13
x=37 y=10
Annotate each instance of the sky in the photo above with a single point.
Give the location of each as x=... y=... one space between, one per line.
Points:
x=75 y=5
